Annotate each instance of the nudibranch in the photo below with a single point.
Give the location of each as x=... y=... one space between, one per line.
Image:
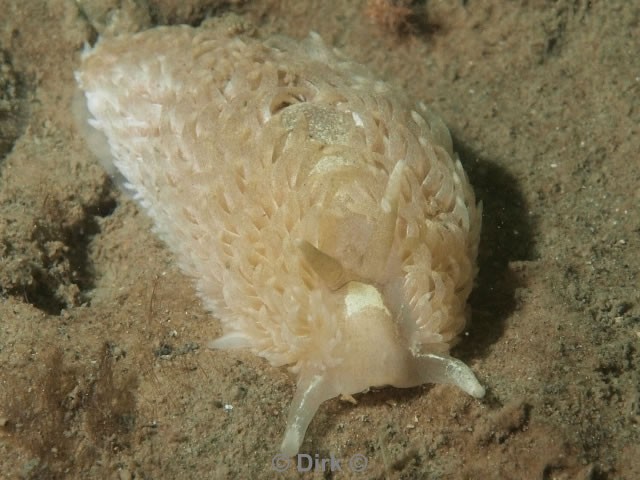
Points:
x=323 y=215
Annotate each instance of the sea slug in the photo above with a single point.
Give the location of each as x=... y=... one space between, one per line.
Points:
x=323 y=215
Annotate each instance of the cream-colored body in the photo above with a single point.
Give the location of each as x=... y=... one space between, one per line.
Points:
x=325 y=219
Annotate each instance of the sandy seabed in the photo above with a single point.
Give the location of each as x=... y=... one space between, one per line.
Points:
x=105 y=373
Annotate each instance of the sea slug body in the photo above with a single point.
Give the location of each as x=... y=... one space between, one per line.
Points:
x=324 y=216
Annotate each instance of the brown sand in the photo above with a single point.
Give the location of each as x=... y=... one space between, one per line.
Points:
x=105 y=373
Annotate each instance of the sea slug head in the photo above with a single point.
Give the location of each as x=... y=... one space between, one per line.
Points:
x=374 y=342
x=372 y=354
